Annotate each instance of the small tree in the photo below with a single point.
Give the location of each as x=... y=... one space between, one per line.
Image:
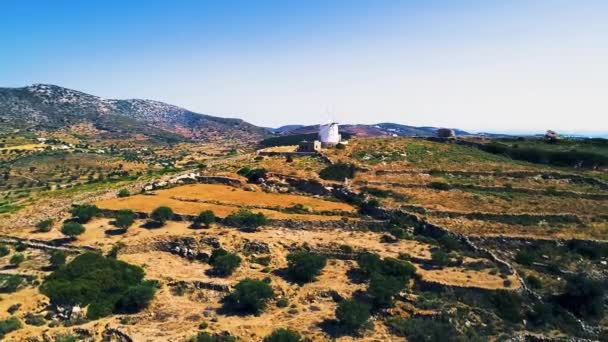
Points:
x=249 y=296
x=205 y=218
x=283 y=335
x=224 y=263
x=162 y=214
x=123 y=193
x=124 y=219
x=44 y=225
x=352 y=314
x=304 y=266
x=17 y=259
x=4 y=250
x=57 y=259
x=72 y=229
x=85 y=212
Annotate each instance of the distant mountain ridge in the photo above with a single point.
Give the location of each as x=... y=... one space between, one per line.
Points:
x=45 y=106
x=380 y=129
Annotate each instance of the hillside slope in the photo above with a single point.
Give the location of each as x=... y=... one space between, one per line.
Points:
x=50 y=107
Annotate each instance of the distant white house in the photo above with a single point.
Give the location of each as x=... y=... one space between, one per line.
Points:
x=329 y=135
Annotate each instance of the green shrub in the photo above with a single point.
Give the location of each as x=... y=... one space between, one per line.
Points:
x=4 y=250
x=9 y=325
x=304 y=266
x=282 y=303
x=207 y=337
x=246 y=218
x=440 y=186
x=72 y=229
x=57 y=259
x=44 y=225
x=136 y=298
x=85 y=212
x=534 y=281
x=161 y=214
x=123 y=193
x=338 y=172
x=10 y=283
x=35 y=320
x=20 y=246
x=123 y=219
x=224 y=263
x=105 y=284
x=508 y=305
x=525 y=258
x=66 y=338
x=382 y=289
x=584 y=297
x=17 y=259
x=440 y=257
x=252 y=175
x=352 y=314
x=205 y=218
x=249 y=296
x=283 y=335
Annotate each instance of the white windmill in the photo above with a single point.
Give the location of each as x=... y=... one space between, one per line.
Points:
x=329 y=135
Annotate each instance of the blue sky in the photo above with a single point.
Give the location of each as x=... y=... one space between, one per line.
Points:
x=479 y=65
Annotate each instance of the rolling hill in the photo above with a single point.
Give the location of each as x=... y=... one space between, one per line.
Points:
x=50 y=107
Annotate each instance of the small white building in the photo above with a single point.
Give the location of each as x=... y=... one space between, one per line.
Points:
x=329 y=135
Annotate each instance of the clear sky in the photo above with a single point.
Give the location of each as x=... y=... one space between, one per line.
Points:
x=503 y=65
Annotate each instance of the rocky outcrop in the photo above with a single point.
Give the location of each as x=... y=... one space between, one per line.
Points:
x=115 y=335
x=200 y=285
x=256 y=247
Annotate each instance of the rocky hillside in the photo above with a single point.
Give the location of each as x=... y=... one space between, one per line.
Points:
x=50 y=107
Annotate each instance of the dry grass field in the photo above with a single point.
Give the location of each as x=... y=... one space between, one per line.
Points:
x=223 y=200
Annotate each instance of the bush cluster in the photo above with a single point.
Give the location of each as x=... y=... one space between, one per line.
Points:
x=104 y=284
x=387 y=277
x=246 y=218
x=123 y=219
